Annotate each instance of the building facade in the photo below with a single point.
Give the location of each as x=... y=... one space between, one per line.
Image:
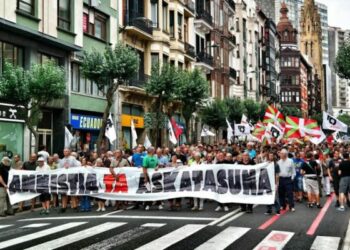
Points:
x=296 y=86
x=340 y=87
x=311 y=46
x=36 y=31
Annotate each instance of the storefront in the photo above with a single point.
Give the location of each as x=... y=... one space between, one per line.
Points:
x=11 y=130
x=135 y=113
x=88 y=126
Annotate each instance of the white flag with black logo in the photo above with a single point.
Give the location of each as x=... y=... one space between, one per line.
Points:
x=110 y=130
x=332 y=123
x=172 y=136
x=206 y=132
x=229 y=132
x=242 y=129
x=274 y=132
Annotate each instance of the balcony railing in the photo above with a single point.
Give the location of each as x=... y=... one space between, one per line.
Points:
x=204 y=15
x=232 y=4
x=233 y=73
x=205 y=58
x=190 y=50
x=190 y=5
x=139 y=22
x=139 y=81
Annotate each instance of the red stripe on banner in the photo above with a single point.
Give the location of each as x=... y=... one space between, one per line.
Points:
x=272 y=220
x=321 y=214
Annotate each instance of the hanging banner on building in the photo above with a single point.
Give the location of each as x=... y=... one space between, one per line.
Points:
x=223 y=183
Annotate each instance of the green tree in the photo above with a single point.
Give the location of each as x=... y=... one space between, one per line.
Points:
x=235 y=108
x=318 y=118
x=291 y=111
x=162 y=85
x=108 y=70
x=32 y=89
x=192 y=91
x=253 y=110
x=344 y=118
x=263 y=107
x=342 y=61
x=214 y=115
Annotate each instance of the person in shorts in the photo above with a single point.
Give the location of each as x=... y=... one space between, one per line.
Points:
x=344 y=184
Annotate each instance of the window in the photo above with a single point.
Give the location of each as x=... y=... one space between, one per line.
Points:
x=26 y=6
x=43 y=58
x=165 y=58
x=154 y=58
x=11 y=54
x=180 y=65
x=179 y=23
x=250 y=83
x=154 y=13
x=64 y=14
x=95 y=24
x=75 y=77
x=172 y=28
x=165 y=16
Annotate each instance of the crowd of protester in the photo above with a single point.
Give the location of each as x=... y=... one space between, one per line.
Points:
x=303 y=173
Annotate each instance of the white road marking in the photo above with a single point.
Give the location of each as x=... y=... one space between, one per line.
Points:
x=218 y=220
x=153 y=225
x=224 y=238
x=346 y=241
x=127 y=236
x=172 y=237
x=5 y=226
x=123 y=217
x=36 y=225
x=80 y=235
x=325 y=243
x=223 y=223
x=275 y=240
x=114 y=212
x=39 y=234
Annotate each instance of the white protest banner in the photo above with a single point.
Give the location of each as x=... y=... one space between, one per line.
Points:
x=225 y=183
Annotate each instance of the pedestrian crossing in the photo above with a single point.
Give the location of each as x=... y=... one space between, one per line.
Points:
x=142 y=236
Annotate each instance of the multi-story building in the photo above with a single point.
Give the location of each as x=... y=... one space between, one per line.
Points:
x=340 y=87
x=36 y=31
x=294 y=11
x=311 y=46
x=296 y=85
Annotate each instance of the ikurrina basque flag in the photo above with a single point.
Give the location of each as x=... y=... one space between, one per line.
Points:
x=300 y=127
x=274 y=116
x=259 y=131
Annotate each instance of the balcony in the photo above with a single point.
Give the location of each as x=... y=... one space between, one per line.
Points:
x=233 y=73
x=205 y=61
x=139 y=26
x=190 y=50
x=189 y=8
x=204 y=21
x=231 y=5
x=232 y=41
x=139 y=81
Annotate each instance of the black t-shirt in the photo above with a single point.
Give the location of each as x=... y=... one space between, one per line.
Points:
x=310 y=167
x=335 y=167
x=344 y=167
x=4 y=172
x=251 y=162
x=29 y=166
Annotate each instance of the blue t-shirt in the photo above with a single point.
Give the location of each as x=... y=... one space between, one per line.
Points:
x=137 y=159
x=297 y=163
x=252 y=153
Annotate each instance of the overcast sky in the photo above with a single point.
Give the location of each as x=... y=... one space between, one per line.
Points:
x=338 y=13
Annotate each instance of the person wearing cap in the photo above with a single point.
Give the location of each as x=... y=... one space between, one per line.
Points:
x=286 y=177
x=44 y=196
x=150 y=162
x=5 y=205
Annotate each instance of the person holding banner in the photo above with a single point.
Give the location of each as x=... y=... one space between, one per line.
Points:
x=246 y=161
x=273 y=159
x=197 y=161
x=44 y=197
x=150 y=162
x=5 y=205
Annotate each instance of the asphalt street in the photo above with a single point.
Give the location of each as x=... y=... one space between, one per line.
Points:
x=138 y=229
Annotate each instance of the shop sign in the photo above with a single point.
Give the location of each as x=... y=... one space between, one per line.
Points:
x=138 y=121
x=86 y=122
x=9 y=112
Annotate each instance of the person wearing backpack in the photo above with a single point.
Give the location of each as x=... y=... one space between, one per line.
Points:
x=311 y=169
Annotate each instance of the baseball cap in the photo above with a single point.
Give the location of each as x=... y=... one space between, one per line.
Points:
x=41 y=159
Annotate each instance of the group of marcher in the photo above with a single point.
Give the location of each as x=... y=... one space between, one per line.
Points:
x=301 y=172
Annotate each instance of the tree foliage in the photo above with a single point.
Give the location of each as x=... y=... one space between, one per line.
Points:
x=32 y=89
x=113 y=67
x=214 y=114
x=235 y=108
x=192 y=92
x=344 y=118
x=342 y=61
x=291 y=111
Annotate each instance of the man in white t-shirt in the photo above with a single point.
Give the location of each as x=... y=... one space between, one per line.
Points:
x=43 y=152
